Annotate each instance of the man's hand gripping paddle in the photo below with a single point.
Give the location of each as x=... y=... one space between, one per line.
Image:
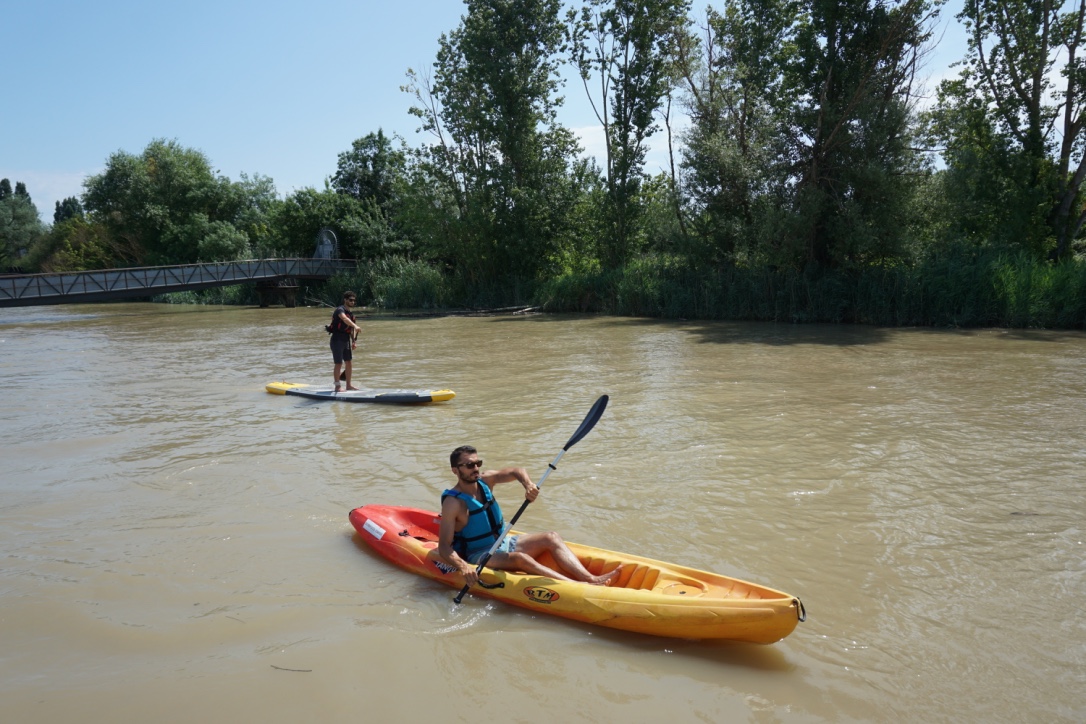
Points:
x=590 y=421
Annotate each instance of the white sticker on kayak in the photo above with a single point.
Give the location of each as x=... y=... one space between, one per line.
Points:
x=373 y=529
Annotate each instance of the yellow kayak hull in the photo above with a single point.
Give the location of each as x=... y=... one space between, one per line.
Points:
x=648 y=596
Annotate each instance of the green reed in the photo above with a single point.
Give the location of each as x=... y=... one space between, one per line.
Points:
x=962 y=290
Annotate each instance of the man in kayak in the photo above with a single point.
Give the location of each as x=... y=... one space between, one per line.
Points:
x=471 y=520
x=344 y=338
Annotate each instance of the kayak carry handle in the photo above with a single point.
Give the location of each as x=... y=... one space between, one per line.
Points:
x=801 y=612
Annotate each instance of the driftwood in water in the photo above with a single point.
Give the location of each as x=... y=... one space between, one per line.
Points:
x=491 y=312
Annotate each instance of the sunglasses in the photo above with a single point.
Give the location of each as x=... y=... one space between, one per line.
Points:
x=471 y=464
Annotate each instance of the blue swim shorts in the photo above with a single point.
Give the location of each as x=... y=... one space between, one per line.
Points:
x=509 y=545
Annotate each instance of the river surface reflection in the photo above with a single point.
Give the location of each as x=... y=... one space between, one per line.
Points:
x=176 y=544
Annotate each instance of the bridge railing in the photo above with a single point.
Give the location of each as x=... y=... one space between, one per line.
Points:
x=96 y=286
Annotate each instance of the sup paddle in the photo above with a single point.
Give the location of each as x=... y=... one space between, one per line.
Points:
x=589 y=422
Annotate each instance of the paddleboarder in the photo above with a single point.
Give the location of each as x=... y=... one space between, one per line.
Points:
x=344 y=338
x=471 y=520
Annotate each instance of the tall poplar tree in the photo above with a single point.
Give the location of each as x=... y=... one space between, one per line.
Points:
x=70 y=208
x=850 y=154
x=500 y=154
x=1014 y=123
x=801 y=151
x=625 y=52
x=732 y=81
x=20 y=225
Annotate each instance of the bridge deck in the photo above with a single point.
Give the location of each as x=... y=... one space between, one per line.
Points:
x=27 y=290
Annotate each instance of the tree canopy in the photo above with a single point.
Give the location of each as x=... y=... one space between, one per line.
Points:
x=20 y=226
x=1013 y=128
x=807 y=151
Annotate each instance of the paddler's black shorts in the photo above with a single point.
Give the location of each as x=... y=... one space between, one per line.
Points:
x=341 y=348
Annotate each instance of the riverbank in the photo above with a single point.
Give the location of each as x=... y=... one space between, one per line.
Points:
x=958 y=291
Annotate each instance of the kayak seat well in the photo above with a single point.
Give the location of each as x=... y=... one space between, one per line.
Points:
x=640 y=577
x=648 y=578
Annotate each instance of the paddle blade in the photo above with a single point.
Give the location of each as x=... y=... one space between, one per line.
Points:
x=590 y=421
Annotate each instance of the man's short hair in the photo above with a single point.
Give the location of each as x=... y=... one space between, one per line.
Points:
x=462 y=450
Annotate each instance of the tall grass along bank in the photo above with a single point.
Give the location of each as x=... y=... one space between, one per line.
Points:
x=997 y=290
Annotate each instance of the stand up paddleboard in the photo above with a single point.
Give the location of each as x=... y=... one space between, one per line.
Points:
x=387 y=397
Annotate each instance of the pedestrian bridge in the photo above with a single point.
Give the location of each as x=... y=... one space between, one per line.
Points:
x=28 y=290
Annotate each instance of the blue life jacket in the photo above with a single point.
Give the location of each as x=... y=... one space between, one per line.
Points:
x=484 y=522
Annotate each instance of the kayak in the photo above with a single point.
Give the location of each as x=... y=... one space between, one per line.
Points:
x=647 y=596
x=388 y=397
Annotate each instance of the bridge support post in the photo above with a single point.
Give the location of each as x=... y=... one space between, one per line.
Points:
x=284 y=292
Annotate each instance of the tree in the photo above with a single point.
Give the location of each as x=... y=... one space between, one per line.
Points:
x=370 y=169
x=374 y=172
x=500 y=155
x=628 y=47
x=733 y=77
x=20 y=225
x=360 y=226
x=165 y=201
x=251 y=208
x=850 y=151
x=76 y=244
x=1017 y=110
x=70 y=208
x=801 y=147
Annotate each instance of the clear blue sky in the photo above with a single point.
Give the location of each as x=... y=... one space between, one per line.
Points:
x=270 y=87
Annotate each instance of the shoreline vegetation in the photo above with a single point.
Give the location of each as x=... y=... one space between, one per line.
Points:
x=805 y=182
x=980 y=290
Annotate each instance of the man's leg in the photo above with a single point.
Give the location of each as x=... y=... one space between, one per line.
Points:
x=337 y=357
x=524 y=563
x=534 y=545
x=347 y=368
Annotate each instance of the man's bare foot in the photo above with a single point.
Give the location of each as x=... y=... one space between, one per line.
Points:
x=337 y=389
x=351 y=387
x=607 y=579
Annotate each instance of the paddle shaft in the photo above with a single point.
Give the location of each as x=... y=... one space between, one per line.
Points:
x=589 y=422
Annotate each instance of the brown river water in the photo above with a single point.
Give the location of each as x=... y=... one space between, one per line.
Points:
x=176 y=546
